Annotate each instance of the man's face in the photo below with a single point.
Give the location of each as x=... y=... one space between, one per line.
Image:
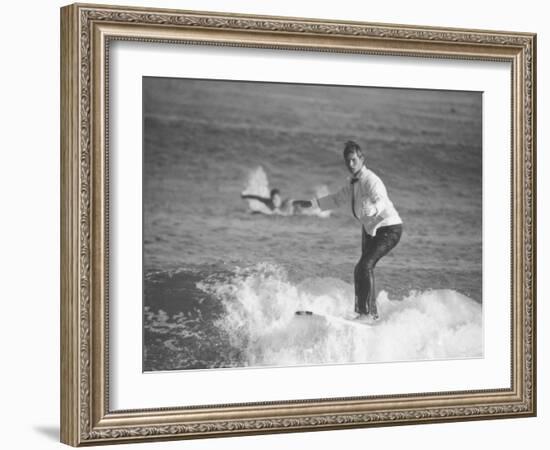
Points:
x=354 y=162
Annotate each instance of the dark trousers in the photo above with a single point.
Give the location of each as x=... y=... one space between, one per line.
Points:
x=372 y=249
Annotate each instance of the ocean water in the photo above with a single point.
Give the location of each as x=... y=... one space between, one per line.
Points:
x=222 y=283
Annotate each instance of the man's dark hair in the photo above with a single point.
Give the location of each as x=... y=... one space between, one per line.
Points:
x=275 y=192
x=352 y=147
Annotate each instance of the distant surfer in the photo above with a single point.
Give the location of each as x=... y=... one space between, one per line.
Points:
x=368 y=201
x=274 y=203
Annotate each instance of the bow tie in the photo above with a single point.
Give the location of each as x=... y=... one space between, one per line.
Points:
x=354 y=180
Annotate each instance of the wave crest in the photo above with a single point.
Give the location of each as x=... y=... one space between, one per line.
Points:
x=260 y=304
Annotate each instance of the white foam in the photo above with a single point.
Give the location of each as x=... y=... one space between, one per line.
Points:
x=261 y=302
x=257 y=184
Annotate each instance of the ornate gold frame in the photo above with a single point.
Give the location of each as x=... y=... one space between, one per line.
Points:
x=86 y=31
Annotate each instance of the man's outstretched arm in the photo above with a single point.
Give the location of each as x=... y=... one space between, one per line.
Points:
x=331 y=201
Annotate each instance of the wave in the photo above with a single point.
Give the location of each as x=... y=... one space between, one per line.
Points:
x=260 y=304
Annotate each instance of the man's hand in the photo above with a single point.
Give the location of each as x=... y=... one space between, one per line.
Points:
x=368 y=209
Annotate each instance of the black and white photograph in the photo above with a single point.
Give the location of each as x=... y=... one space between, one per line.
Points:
x=300 y=224
x=233 y=225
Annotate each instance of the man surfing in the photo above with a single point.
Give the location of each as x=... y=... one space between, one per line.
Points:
x=367 y=200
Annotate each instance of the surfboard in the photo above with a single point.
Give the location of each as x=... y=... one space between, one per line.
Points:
x=362 y=321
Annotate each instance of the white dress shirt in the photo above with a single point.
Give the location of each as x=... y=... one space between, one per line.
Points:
x=367 y=199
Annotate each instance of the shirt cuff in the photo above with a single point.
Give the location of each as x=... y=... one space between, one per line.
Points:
x=314 y=203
